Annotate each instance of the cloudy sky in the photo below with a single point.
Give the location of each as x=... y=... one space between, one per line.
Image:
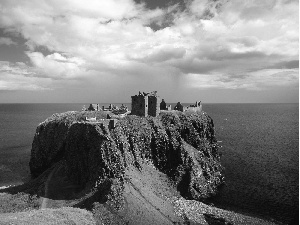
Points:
x=217 y=51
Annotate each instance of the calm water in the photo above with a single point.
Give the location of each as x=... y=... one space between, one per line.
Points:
x=260 y=152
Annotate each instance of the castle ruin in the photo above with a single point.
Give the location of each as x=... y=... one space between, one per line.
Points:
x=93 y=107
x=194 y=108
x=145 y=104
x=178 y=107
x=163 y=105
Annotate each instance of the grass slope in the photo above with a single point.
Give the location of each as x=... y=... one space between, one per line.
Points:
x=148 y=197
x=62 y=216
x=144 y=194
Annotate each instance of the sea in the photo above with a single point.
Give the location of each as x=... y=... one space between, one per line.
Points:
x=259 y=147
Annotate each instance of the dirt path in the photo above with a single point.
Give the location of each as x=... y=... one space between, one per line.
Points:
x=156 y=208
x=45 y=199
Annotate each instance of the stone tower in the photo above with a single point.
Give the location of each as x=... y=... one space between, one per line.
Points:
x=163 y=105
x=139 y=105
x=178 y=107
x=145 y=104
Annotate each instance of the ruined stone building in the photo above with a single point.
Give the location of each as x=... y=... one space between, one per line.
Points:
x=94 y=107
x=163 y=105
x=145 y=104
x=178 y=107
x=194 y=108
x=197 y=106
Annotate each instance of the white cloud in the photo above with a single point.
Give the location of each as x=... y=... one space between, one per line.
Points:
x=215 y=38
x=257 y=80
x=18 y=76
x=56 y=66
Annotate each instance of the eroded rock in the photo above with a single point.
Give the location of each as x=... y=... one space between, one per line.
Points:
x=181 y=145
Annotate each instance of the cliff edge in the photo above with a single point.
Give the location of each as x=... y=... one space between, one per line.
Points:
x=181 y=145
x=131 y=170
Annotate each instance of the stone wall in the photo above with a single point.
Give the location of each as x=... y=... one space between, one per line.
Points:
x=178 y=107
x=192 y=108
x=139 y=105
x=145 y=104
x=163 y=105
x=153 y=107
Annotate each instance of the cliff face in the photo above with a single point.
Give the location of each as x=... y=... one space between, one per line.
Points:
x=180 y=145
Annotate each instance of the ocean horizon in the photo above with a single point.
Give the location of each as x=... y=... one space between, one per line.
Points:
x=260 y=151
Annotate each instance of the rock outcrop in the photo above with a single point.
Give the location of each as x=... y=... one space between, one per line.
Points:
x=181 y=145
x=141 y=170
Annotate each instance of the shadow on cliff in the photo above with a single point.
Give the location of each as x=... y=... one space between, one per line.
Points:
x=133 y=173
x=119 y=173
x=143 y=196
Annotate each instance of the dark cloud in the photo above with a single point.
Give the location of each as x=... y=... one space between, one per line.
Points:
x=286 y=65
x=153 y=4
x=163 y=55
x=167 y=19
x=13 y=53
x=226 y=54
x=244 y=41
x=198 y=66
x=232 y=77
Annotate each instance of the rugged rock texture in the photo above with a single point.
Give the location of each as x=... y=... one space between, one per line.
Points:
x=50 y=136
x=135 y=172
x=183 y=146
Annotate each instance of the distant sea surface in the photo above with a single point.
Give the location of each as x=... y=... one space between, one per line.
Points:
x=260 y=152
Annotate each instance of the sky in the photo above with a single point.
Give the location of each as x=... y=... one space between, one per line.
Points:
x=104 y=51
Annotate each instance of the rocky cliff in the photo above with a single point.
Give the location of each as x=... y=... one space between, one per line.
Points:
x=182 y=146
x=135 y=171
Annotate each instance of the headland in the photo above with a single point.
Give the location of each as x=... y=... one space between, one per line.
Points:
x=153 y=166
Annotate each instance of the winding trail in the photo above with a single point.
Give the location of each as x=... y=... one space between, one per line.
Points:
x=144 y=198
x=45 y=199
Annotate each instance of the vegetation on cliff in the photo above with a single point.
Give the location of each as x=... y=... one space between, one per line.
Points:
x=180 y=145
x=135 y=172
